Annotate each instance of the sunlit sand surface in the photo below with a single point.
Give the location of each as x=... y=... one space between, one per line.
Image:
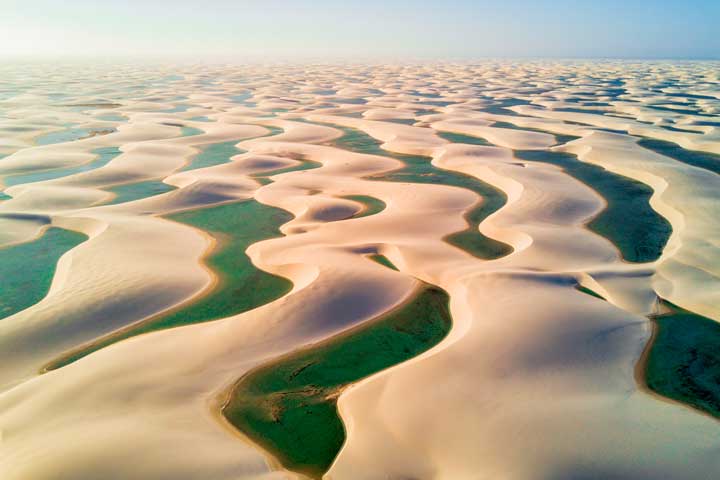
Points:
x=502 y=270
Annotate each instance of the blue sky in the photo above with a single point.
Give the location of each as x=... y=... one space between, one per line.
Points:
x=459 y=29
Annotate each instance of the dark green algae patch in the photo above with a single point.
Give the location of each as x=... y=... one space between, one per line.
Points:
x=241 y=286
x=210 y=155
x=683 y=359
x=27 y=269
x=419 y=169
x=371 y=205
x=289 y=405
x=104 y=155
x=628 y=220
x=462 y=138
x=384 y=261
x=70 y=134
x=265 y=177
x=559 y=138
x=220 y=153
x=213 y=154
x=683 y=362
x=588 y=291
x=704 y=160
x=640 y=240
x=129 y=192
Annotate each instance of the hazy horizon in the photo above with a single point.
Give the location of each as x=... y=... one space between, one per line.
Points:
x=281 y=29
x=460 y=240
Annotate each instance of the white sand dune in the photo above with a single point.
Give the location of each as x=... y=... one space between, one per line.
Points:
x=685 y=196
x=536 y=380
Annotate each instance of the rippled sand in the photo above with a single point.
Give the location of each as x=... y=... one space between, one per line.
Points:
x=537 y=379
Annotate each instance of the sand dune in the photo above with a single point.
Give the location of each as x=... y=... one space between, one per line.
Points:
x=537 y=379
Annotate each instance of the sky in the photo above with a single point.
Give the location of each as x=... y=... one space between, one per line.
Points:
x=354 y=29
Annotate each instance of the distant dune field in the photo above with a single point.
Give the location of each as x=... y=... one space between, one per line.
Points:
x=442 y=271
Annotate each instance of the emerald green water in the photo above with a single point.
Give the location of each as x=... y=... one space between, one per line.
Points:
x=418 y=169
x=129 y=192
x=560 y=139
x=27 y=269
x=112 y=118
x=91 y=106
x=460 y=138
x=501 y=107
x=401 y=121
x=243 y=98
x=707 y=161
x=104 y=155
x=684 y=111
x=67 y=135
x=384 y=261
x=289 y=405
x=190 y=131
x=264 y=177
x=684 y=360
x=587 y=291
x=628 y=221
x=219 y=153
x=372 y=205
x=241 y=287
x=642 y=239
x=214 y=154
x=177 y=108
